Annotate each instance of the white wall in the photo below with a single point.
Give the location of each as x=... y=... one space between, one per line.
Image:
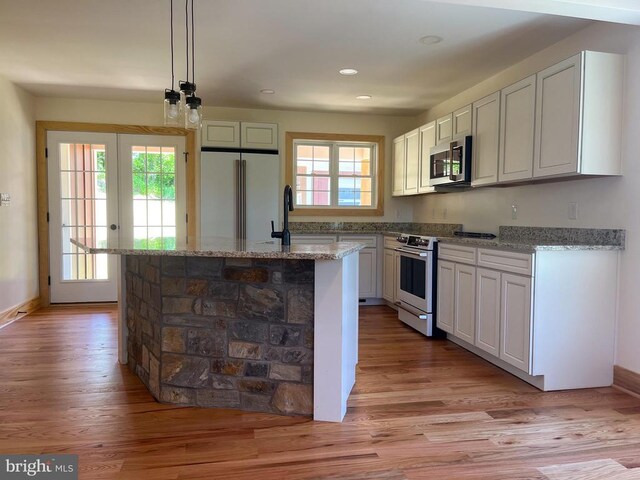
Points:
x=18 y=222
x=602 y=203
x=395 y=209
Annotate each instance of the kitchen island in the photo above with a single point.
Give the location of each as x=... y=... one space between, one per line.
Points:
x=256 y=326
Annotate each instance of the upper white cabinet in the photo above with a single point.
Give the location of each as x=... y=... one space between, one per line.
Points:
x=412 y=162
x=517 y=122
x=398 y=166
x=406 y=163
x=262 y=136
x=248 y=135
x=444 y=129
x=221 y=134
x=462 y=121
x=427 y=141
x=579 y=116
x=486 y=135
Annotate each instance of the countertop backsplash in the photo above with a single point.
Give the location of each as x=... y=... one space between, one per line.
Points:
x=434 y=229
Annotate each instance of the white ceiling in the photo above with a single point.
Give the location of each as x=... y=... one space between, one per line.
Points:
x=119 y=49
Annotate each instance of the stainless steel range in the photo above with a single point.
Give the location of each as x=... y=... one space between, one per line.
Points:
x=416 y=282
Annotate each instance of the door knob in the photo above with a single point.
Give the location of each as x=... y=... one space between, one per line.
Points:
x=113 y=226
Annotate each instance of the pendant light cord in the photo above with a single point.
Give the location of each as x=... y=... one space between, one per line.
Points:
x=173 y=77
x=193 y=45
x=186 y=25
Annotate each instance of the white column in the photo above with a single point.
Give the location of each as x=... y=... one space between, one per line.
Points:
x=335 y=336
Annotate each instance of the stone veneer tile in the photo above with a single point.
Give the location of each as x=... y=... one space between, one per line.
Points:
x=185 y=396
x=184 y=370
x=173 y=340
x=218 y=398
x=248 y=330
x=177 y=305
x=244 y=350
x=292 y=398
x=227 y=366
x=285 y=372
x=260 y=303
x=300 y=305
x=205 y=343
x=223 y=291
x=252 y=275
x=284 y=335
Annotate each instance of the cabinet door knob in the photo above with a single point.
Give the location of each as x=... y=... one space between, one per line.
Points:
x=113 y=226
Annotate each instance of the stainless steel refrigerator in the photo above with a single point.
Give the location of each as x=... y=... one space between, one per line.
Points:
x=239 y=193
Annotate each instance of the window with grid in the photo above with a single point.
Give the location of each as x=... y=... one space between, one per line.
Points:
x=154 y=196
x=334 y=175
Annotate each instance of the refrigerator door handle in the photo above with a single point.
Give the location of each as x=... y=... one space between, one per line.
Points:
x=237 y=205
x=244 y=199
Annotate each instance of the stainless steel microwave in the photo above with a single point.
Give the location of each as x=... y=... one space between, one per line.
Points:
x=450 y=163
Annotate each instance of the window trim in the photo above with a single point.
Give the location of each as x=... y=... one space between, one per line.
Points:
x=379 y=140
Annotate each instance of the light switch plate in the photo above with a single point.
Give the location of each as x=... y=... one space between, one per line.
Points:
x=5 y=199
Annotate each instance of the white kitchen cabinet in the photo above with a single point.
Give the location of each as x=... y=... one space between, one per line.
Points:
x=486 y=136
x=579 y=116
x=398 y=166
x=319 y=239
x=247 y=135
x=465 y=302
x=517 y=122
x=462 y=121
x=389 y=275
x=446 y=295
x=367 y=264
x=427 y=141
x=544 y=317
x=488 y=311
x=261 y=136
x=412 y=162
x=444 y=129
x=515 y=319
x=220 y=134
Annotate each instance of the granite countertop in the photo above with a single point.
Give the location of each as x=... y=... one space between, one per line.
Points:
x=525 y=239
x=229 y=247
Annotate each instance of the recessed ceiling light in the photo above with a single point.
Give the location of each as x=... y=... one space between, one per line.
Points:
x=348 y=71
x=430 y=40
x=364 y=97
x=267 y=91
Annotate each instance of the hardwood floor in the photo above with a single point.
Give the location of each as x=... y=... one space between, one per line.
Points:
x=421 y=409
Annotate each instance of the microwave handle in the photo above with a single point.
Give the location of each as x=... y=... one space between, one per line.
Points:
x=452 y=177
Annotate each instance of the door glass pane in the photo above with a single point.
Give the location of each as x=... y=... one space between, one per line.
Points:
x=83 y=209
x=154 y=193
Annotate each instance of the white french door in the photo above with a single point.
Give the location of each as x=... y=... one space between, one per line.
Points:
x=104 y=188
x=83 y=204
x=152 y=190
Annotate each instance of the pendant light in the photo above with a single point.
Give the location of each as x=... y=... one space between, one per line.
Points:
x=192 y=105
x=172 y=104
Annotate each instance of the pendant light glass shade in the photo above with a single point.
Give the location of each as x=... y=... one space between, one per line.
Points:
x=193 y=113
x=172 y=108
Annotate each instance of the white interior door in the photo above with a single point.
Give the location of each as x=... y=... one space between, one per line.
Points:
x=152 y=190
x=83 y=205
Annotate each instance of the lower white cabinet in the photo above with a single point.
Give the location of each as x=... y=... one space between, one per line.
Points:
x=515 y=319
x=488 y=311
x=465 y=302
x=446 y=295
x=546 y=317
x=388 y=275
x=368 y=280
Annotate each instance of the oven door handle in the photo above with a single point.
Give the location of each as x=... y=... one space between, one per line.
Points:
x=415 y=254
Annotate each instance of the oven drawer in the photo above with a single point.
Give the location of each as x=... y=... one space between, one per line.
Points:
x=506 y=261
x=457 y=253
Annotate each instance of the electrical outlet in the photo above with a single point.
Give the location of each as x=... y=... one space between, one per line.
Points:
x=573 y=211
x=514 y=212
x=5 y=199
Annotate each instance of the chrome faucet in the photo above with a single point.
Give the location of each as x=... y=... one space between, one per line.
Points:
x=285 y=235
